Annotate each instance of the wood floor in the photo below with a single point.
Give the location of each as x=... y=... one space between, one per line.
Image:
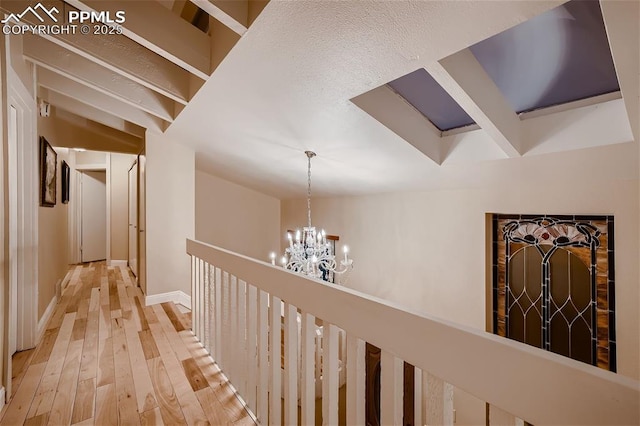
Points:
x=105 y=358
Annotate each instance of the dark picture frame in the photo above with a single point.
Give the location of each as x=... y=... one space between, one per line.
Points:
x=48 y=172
x=65 y=175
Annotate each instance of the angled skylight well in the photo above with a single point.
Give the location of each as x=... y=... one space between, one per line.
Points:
x=422 y=92
x=558 y=57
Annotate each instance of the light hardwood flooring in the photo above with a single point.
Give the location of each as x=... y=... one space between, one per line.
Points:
x=105 y=358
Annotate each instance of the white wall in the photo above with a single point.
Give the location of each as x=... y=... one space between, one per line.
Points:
x=427 y=250
x=170 y=185
x=236 y=218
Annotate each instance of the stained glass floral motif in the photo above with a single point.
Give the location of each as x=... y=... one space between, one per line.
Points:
x=554 y=284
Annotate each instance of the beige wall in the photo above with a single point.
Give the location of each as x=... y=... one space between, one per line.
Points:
x=170 y=211
x=427 y=250
x=120 y=165
x=236 y=218
x=52 y=242
x=85 y=158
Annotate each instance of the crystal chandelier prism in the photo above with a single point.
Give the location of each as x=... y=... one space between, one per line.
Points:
x=309 y=252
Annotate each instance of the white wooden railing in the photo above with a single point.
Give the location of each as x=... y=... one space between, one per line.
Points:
x=236 y=300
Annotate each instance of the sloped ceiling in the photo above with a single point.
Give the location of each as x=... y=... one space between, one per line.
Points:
x=265 y=81
x=287 y=87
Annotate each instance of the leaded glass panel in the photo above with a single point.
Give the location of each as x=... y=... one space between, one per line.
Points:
x=554 y=284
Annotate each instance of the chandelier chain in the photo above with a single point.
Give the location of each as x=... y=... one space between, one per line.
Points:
x=310 y=155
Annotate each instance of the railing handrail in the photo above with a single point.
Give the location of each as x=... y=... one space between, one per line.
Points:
x=538 y=386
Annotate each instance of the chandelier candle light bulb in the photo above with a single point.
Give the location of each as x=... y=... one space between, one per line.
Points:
x=310 y=253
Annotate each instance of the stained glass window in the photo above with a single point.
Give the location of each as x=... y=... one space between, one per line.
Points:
x=553 y=284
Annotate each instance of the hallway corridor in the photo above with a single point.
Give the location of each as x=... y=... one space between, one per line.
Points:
x=105 y=358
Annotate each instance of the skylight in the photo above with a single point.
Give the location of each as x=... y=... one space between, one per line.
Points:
x=428 y=97
x=560 y=56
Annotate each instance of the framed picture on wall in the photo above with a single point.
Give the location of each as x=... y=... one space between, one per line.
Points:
x=48 y=170
x=65 y=176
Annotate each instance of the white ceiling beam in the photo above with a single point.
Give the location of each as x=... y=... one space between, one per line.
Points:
x=403 y=119
x=621 y=21
x=58 y=83
x=77 y=132
x=462 y=76
x=157 y=28
x=233 y=13
x=119 y=54
x=88 y=112
x=55 y=58
x=222 y=41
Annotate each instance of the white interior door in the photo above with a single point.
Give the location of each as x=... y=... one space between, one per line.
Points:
x=133 y=219
x=94 y=216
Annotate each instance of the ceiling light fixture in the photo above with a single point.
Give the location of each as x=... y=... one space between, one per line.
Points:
x=309 y=252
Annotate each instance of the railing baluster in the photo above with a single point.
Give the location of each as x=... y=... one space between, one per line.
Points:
x=329 y=374
x=263 y=362
x=217 y=345
x=355 y=380
x=497 y=416
x=206 y=285
x=194 y=289
x=290 y=365
x=241 y=364
x=234 y=351
x=275 y=330
x=439 y=401
x=201 y=287
x=307 y=383
x=226 y=341
x=418 y=400
x=391 y=389
x=252 y=359
x=211 y=271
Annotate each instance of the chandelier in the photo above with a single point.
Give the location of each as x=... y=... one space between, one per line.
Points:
x=309 y=252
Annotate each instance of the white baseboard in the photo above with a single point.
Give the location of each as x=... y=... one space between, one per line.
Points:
x=45 y=318
x=178 y=296
x=2 y=397
x=118 y=263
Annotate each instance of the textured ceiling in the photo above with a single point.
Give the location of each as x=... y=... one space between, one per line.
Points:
x=286 y=88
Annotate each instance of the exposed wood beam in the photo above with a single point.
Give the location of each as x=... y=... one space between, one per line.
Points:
x=73 y=131
x=53 y=57
x=222 y=41
x=462 y=76
x=58 y=83
x=79 y=109
x=119 y=54
x=233 y=13
x=621 y=21
x=390 y=109
x=158 y=29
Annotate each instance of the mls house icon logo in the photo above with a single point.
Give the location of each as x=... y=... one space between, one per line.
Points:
x=38 y=11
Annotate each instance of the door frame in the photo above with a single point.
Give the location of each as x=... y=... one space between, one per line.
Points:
x=137 y=201
x=76 y=198
x=142 y=221
x=22 y=183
